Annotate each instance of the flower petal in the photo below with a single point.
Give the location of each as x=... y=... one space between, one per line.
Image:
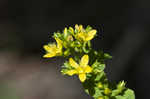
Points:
x=82 y=77
x=80 y=70
x=84 y=61
x=50 y=47
x=88 y=69
x=65 y=31
x=80 y=36
x=91 y=35
x=80 y=28
x=76 y=27
x=59 y=43
x=71 y=72
x=49 y=55
x=47 y=48
x=71 y=30
x=73 y=63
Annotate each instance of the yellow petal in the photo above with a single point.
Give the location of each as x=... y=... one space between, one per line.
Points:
x=50 y=48
x=80 y=70
x=82 y=77
x=71 y=72
x=73 y=63
x=65 y=33
x=91 y=35
x=71 y=30
x=59 y=43
x=81 y=36
x=49 y=55
x=65 y=30
x=84 y=61
x=88 y=69
x=76 y=27
x=80 y=27
x=46 y=47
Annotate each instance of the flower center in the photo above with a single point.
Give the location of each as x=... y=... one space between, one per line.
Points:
x=80 y=70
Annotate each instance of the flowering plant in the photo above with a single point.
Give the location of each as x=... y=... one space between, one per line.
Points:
x=88 y=64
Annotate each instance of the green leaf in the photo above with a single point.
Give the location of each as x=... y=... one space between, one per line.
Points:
x=107 y=56
x=106 y=97
x=98 y=68
x=115 y=92
x=89 y=87
x=99 y=76
x=84 y=47
x=88 y=28
x=98 y=65
x=120 y=97
x=66 y=65
x=98 y=92
x=129 y=94
x=101 y=67
x=57 y=35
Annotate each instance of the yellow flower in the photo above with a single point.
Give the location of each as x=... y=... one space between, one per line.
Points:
x=67 y=36
x=53 y=49
x=80 y=69
x=79 y=28
x=83 y=35
x=86 y=36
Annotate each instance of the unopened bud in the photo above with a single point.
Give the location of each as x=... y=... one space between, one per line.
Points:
x=99 y=85
x=100 y=97
x=69 y=38
x=121 y=85
x=67 y=52
x=107 y=91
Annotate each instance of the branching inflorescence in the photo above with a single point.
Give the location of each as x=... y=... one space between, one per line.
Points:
x=88 y=64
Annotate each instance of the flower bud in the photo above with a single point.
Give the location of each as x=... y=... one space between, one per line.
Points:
x=99 y=85
x=107 y=91
x=121 y=85
x=66 y=53
x=100 y=97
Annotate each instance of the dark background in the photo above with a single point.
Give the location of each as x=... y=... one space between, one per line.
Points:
x=124 y=32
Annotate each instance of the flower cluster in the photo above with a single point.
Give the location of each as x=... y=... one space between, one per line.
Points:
x=88 y=64
x=70 y=41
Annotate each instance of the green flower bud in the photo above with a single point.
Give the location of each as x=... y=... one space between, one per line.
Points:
x=107 y=56
x=65 y=44
x=77 y=49
x=65 y=33
x=99 y=85
x=67 y=52
x=100 y=97
x=121 y=85
x=71 y=30
x=107 y=91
